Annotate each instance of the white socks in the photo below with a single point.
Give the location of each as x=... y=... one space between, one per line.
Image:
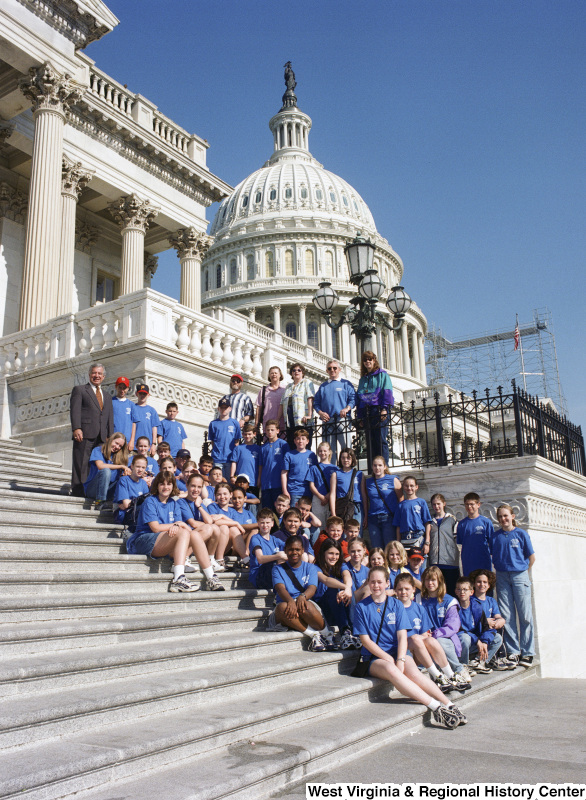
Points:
x=448 y=671
x=178 y=571
x=309 y=631
x=208 y=572
x=433 y=671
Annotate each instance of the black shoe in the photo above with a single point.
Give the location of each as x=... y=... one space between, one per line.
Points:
x=526 y=661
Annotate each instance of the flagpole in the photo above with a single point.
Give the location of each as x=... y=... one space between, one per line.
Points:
x=521 y=352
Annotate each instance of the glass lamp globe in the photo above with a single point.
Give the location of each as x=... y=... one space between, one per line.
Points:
x=371 y=286
x=360 y=257
x=398 y=301
x=325 y=298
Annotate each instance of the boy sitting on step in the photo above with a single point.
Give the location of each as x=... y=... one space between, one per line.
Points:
x=478 y=640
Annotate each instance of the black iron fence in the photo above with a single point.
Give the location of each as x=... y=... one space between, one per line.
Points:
x=457 y=429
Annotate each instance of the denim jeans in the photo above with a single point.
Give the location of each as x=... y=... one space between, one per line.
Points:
x=268 y=497
x=468 y=648
x=335 y=614
x=337 y=432
x=450 y=651
x=381 y=530
x=101 y=486
x=514 y=598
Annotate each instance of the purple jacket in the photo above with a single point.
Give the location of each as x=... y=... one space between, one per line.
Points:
x=450 y=628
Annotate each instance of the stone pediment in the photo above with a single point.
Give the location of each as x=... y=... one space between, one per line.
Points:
x=81 y=21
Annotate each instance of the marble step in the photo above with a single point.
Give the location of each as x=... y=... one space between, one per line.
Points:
x=91 y=761
x=57 y=636
x=38 y=717
x=48 y=504
x=85 y=604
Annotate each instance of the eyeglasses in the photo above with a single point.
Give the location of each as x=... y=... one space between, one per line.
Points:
x=333 y=369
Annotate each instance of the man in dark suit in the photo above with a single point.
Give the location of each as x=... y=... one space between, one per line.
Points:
x=92 y=421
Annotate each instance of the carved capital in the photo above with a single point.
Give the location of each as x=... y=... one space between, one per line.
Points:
x=6 y=131
x=74 y=178
x=133 y=213
x=13 y=203
x=190 y=243
x=49 y=91
x=151 y=264
x=85 y=236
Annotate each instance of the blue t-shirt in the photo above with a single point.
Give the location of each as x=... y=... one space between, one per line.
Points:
x=214 y=508
x=244 y=517
x=412 y=515
x=97 y=455
x=436 y=610
x=358 y=576
x=268 y=547
x=188 y=510
x=152 y=464
x=247 y=460
x=306 y=574
x=298 y=465
x=272 y=456
x=224 y=433
x=153 y=510
x=211 y=493
x=122 y=416
x=467 y=621
x=282 y=536
x=418 y=618
x=510 y=550
x=181 y=485
x=315 y=476
x=489 y=605
x=474 y=536
x=367 y=621
x=126 y=488
x=173 y=433
x=343 y=483
x=146 y=418
x=386 y=485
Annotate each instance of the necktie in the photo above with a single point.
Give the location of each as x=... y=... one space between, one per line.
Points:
x=99 y=398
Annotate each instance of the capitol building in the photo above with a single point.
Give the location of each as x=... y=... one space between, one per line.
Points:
x=281 y=231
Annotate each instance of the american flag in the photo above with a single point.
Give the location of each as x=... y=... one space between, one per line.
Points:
x=517 y=335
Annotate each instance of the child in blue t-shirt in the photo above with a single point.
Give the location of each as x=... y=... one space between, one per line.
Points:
x=251 y=503
x=128 y=487
x=290 y=526
x=122 y=408
x=107 y=462
x=171 y=431
x=355 y=576
x=513 y=556
x=143 y=449
x=347 y=472
x=309 y=523
x=319 y=480
x=223 y=433
x=480 y=622
x=272 y=455
x=296 y=467
x=412 y=519
x=145 y=419
x=245 y=457
x=473 y=535
x=265 y=552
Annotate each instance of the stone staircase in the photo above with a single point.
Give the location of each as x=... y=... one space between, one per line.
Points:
x=112 y=687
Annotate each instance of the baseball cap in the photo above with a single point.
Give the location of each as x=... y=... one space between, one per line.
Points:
x=224 y=401
x=123 y=380
x=142 y=387
x=238 y=377
x=416 y=554
x=183 y=454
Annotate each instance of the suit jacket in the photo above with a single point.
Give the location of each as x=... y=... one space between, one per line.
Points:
x=85 y=412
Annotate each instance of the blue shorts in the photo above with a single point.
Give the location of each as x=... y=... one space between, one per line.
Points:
x=143 y=544
x=392 y=653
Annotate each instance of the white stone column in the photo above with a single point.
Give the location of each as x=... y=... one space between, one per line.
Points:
x=277 y=318
x=302 y=324
x=151 y=265
x=415 y=349
x=405 y=349
x=391 y=349
x=329 y=348
x=346 y=354
x=134 y=217
x=191 y=246
x=73 y=180
x=353 y=351
x=422 y=369
x=51 y=94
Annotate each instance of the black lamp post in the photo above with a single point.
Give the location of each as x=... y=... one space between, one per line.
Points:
x=361 y=314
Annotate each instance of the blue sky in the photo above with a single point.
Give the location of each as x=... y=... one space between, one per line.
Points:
x=460 y=122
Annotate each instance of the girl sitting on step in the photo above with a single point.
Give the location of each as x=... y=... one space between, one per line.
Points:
x=107 y=462
x=160 y=532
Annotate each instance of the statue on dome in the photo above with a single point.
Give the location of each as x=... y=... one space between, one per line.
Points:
x=289 y=98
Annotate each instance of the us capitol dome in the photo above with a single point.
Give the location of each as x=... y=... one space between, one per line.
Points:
x=281 y=231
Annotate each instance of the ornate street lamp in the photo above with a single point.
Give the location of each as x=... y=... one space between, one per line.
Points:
x=361 y=315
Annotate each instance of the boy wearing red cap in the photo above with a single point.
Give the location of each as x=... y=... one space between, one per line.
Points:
x=122 y=408
x=145 y=419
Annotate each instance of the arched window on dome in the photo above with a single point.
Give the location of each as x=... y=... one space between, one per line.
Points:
x=309 y=262
x=313 y=335
x=289 y=263
x=288 y=193
x=319 y=195
x=291 y=330
x=345 y=200
x=273 y=194
x=233 y=271
x=258 y=197
x=329 y=264
x=332 y=196
x=206 y=281
x=218 y=276
x=250 y=267
x=303 y=193
x=356 y=206
x=269 y=265
x=245 y=201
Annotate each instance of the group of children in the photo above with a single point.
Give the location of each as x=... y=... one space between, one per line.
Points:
x=331 y=542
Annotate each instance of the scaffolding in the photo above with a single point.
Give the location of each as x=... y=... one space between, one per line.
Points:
x=490 y=359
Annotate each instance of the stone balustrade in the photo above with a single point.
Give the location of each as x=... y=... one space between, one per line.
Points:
x=170 y=133
x=111 y=92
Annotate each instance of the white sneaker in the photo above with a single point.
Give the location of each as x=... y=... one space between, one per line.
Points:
x=189 y=567
x=182 y=585
x=217 y=566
